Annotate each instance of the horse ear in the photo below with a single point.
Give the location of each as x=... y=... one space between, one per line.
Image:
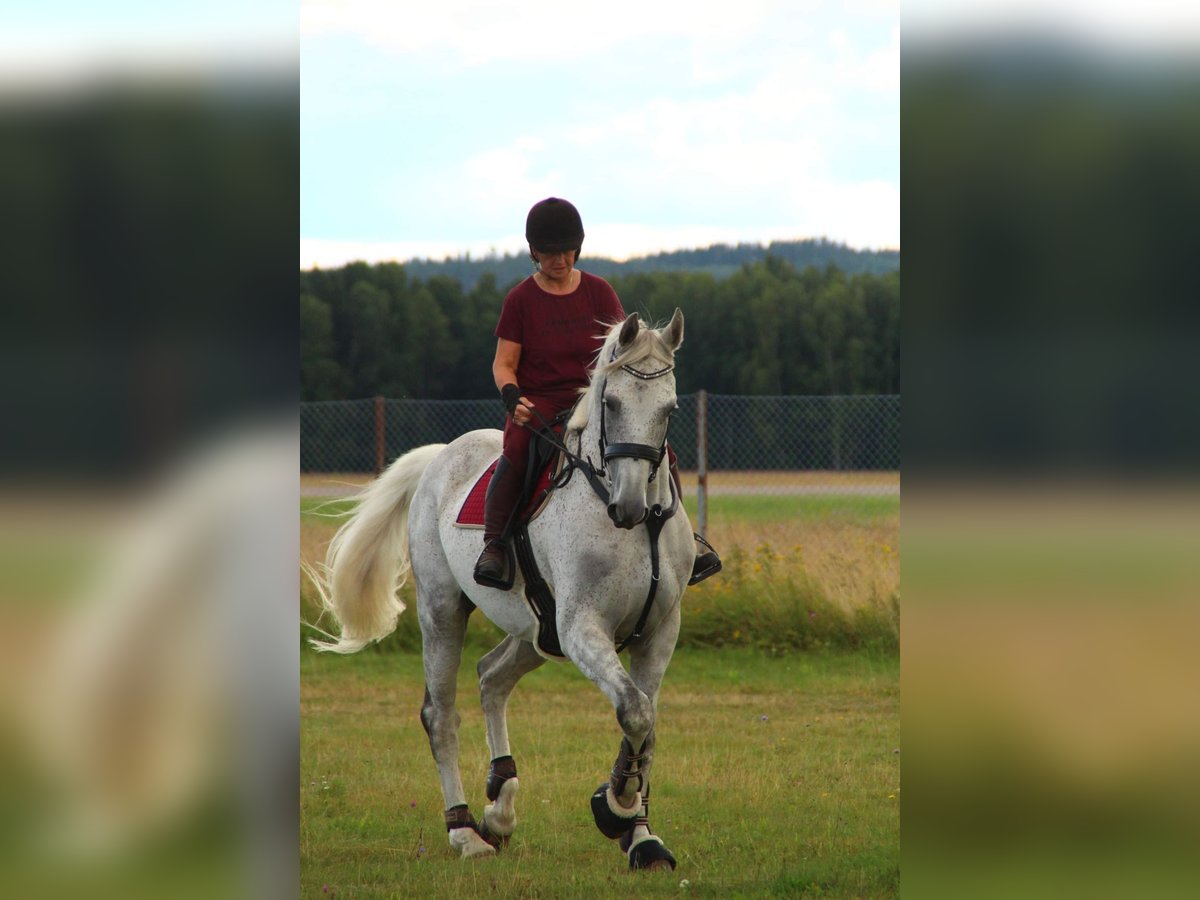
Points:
x=673 y=333
x=629 y=330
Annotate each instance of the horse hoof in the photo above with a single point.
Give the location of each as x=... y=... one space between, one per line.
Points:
x=469 y=844
x=500 y=818
x=650 y=856
x=612 y=820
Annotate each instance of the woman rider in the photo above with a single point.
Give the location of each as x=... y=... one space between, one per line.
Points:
x=546 y=339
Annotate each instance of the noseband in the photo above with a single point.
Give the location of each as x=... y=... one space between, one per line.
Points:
x=653 y=455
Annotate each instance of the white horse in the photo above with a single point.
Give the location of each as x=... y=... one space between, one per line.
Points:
x=612 y=584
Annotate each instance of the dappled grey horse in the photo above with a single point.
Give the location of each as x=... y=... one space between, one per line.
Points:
x=614 y=544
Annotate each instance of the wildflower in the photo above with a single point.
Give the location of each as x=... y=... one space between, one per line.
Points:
x=762 y=718
x=684 y=885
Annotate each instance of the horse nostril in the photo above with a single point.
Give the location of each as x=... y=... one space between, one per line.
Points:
x=612 y=512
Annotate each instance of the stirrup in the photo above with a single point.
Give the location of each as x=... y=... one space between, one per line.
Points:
x=706 y=564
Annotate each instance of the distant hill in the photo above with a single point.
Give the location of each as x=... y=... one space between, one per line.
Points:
x=719 y=260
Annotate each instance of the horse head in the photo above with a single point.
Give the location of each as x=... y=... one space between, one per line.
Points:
x=633 y=396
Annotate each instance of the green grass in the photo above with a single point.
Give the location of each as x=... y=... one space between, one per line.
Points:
x=783 y=508
x=774 y=776
x=744 y=507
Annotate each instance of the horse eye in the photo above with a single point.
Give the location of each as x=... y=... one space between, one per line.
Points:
x=612 y=403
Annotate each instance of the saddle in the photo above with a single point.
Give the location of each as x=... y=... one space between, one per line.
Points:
x=545 y=465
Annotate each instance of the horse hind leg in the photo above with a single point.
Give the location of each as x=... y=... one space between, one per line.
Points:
x=499 y=671
x=443 y=617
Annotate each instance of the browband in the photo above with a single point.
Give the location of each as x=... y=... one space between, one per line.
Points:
x=646 y=376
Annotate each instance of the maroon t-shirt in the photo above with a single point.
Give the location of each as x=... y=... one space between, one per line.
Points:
x=559 y=334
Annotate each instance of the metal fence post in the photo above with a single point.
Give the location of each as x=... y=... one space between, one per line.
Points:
x=702 y=461
x=380 y=434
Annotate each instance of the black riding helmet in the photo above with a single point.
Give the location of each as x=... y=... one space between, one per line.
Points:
x=554 y=225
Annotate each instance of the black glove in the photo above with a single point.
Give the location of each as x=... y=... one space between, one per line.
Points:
x=511 y=395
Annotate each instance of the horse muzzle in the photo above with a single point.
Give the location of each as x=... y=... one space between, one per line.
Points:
x=627 y=515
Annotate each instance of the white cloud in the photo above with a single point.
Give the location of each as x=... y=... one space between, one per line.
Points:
x=881 y=68
x=474 y=32
x=767 y=152
x=331 y=254
x=769 y=155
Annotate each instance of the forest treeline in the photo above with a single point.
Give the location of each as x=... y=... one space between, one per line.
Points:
x=719 y=260
x=768 y=328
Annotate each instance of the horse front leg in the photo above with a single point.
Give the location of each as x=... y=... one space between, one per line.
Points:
x=619 y=804
x=647 y=666
x=499 y=671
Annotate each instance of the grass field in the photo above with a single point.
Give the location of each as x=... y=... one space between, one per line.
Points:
x=777 y=771
x=774 y=776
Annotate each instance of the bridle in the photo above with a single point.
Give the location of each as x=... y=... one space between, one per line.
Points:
x=620 y=450
x=653 y=455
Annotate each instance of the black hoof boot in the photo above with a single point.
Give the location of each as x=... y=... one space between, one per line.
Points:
x=611 y=824
x=650 y=855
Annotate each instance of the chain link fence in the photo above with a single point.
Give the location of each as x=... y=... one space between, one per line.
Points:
x=791 y=444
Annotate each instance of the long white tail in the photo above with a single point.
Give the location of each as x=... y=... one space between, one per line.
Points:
x=367 y=560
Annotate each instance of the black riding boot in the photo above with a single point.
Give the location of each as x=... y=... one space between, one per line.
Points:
x=706 y=563
x=502 y=494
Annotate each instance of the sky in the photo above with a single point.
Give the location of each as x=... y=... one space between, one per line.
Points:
x=429 y=129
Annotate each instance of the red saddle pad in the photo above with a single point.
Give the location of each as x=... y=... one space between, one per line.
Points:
x=471 y=513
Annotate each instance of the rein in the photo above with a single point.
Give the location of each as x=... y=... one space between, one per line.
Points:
x=586 y=466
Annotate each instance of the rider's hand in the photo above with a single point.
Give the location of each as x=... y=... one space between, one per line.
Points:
x=522 y=413
x=518 y=406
